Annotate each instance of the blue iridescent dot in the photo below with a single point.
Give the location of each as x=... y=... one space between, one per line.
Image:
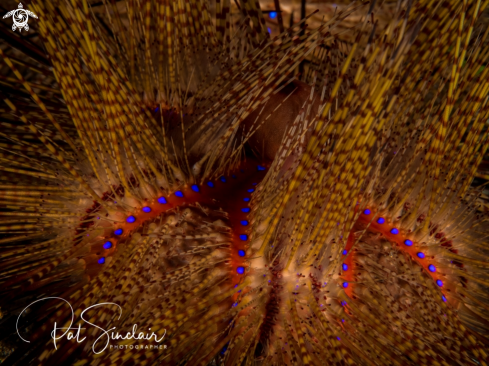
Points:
x=118 y=232
x=343 y=303
x=244 y=222
x=240 y=270
x=234 y=176
x=157 y=109
x=254 y=184
x=439 y=283
x=107 y=245
x=261 y=167
x=444 y=298
x=241 y=253
x=394 y=231
x=345 y=252
x=147 y=209
x=131 y=219
x=380 y=220
x=408 y=242
x=344 y=266
x=342 y=320
x=367 y=212
x=246 y=209
x=222 y=179
x=243 y=237
x=162 y=200
x=272 y=15
x=179 y=194
x=195 y=188
x=338 y=338
x=210 y=184
x=251 y=190
x=246 y=199
x=345 y=284
x=420 y=254
x=432 y=268
x=101 y=260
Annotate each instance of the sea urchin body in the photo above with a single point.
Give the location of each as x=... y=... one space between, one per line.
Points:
x=180 y=188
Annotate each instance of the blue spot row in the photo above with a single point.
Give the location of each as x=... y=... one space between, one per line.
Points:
x=243 y=237
x=407 y=242
x=108 y=245
x=344 y=266
x=118 y=232
x=147 y=209
x=131 y=219
x=431 y=267
x=179 y=194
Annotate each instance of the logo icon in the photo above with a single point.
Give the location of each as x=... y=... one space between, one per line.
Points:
x=20 y=17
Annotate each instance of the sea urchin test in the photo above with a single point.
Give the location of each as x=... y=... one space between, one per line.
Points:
x=211 y=217
x=183 y=186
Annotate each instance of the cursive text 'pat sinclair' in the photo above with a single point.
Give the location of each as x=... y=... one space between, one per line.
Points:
x=103 y=341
